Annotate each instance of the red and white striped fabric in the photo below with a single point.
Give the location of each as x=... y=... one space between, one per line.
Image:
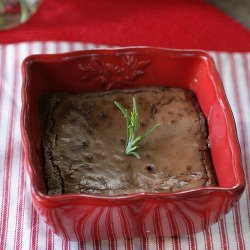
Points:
x=21 y=227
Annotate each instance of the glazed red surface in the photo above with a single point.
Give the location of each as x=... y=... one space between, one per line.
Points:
x=187 y=211
x=173 y=24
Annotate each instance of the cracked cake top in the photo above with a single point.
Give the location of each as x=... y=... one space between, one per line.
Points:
x=84 y=136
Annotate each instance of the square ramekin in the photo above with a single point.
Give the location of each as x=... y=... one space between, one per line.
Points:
x=86 y=217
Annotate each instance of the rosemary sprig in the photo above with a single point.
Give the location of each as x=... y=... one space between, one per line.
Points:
x=132 y=122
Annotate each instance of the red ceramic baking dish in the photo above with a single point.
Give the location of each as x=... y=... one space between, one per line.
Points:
x=85 y=217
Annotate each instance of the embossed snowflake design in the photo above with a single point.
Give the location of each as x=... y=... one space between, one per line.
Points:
x=126 y=71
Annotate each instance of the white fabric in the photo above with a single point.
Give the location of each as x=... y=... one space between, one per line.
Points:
x=22 y=228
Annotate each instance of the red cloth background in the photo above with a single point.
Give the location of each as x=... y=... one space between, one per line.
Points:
x=174 y=24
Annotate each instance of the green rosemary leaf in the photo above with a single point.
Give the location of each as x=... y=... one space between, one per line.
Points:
x=132 y=123
x=136 y=155
x=135 y=115
x=123 y=110
x=133 y=148
x=148 y=132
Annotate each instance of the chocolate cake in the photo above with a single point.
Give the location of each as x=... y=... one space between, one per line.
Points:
x=84 y=137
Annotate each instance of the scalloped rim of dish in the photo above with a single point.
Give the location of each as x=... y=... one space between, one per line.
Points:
x=80 y=198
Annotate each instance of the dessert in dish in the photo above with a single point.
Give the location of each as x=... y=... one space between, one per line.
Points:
x=84 y=135
x=80 y=217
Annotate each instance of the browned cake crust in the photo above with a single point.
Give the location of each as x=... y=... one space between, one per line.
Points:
x=84 y=136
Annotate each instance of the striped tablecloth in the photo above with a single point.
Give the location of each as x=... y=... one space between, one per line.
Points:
x=21 y=227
